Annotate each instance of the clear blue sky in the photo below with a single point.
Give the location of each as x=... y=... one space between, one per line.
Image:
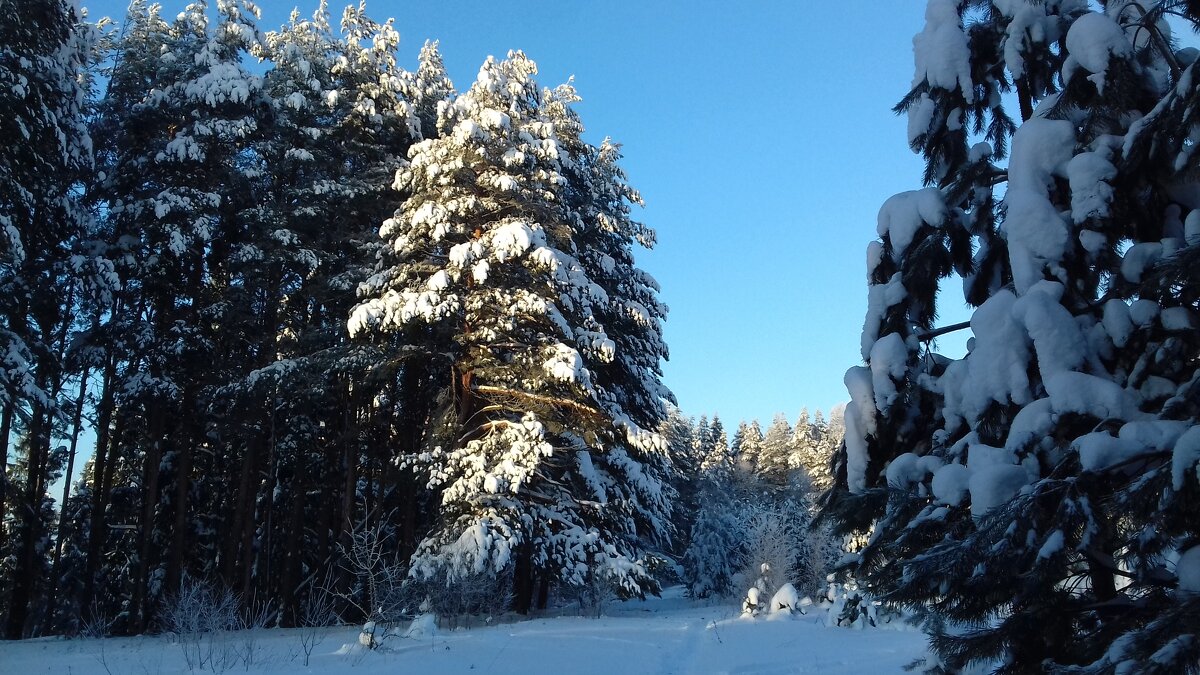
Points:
x=760 y=135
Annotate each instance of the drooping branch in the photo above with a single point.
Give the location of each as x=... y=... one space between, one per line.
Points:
x=553 y=401
x=926 y=336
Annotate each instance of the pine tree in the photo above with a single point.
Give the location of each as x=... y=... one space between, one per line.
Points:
x=45 y=233
x=776 y=451
x=818 y=452
x=1027 y=499
x=174 y=131
x=714 y=553
x=513 y=267
x=744 y=453
x=678 y=431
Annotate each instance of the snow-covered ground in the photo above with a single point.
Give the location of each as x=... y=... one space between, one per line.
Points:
x=661 y=635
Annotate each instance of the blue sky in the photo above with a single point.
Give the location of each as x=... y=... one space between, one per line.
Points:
x=761 y=137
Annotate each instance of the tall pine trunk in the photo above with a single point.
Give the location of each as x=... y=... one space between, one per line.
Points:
x=6 y=423
x=24 y=575
x=76 y=427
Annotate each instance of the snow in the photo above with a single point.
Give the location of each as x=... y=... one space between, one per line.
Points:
x=660 y=635
x=981 y=456
x=919 y=117
x=1028 y=24
x=1094 y=38
x=1031 y=424
x=1177 y=319
x=1088 y=174
x=950 y=484
x=1153 y=434
x=1037 y=234
x=1138 y=258
x=494 y=119
x=903 y=214
x=997 y=367
x=941 y=52
x=1056 y=337
x=1191 y=227
x=785 y=601
x=1117 y=322
x=856 y=451
x=1188 y=570
x=425 y=625
x=904 y=471
x=1090 y=395
x=1185 y=458
x=889 y=360
x=1100 y=450
x=993 y=485
x=880 y=297
x=1052 y=545
x=1093 y=242
x=564 y=364
x=860 y=423
x=512 y=239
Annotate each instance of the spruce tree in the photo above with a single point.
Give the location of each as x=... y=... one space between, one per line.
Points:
x=1029 y=499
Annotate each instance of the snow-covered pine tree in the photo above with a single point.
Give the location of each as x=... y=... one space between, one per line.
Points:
x=173 y=130
x=817 y=455
x=715 y=542
x=339 y=128
x=719 y=442
x=776 y=451
x=1031 y=499
x=44 y=237
x=512 y=261
x=427 y=89
x=806 y=436
x=747 y=445
x=678 y=431
x=712 y=446
x=743 y=458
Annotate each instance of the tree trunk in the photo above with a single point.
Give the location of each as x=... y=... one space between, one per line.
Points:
x=1024 y=98
x=241 y=523
x=62 y=508
x=523 y=580
x=146 y=529
x=543 y=595
x=6 y=423
x=100 y=461
x=180 y=532
x=291 y=547
x=25 y=575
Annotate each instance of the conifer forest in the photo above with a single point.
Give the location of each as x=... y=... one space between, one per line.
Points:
x=294 y=336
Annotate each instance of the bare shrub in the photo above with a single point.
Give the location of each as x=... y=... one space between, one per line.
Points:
x=455 y=602
x=316 y=613
x=379 y=575
x=772 y=545
x=199 y=617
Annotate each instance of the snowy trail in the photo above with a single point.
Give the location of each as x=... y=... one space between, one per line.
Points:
x=681 y=658
x=667 y=636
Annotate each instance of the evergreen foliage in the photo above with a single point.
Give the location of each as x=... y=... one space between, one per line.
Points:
x=1029 y=499
x=512 y=254
x=205 y=265
x=46 y=242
